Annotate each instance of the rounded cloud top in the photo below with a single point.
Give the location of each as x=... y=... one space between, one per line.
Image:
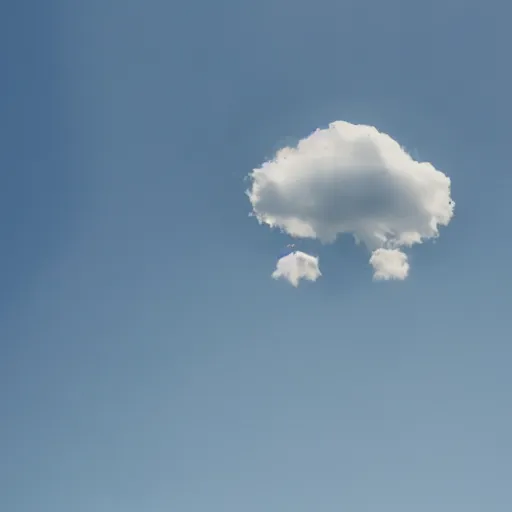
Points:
x=351 y=179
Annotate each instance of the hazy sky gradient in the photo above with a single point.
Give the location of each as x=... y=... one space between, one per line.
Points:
x=148 y=359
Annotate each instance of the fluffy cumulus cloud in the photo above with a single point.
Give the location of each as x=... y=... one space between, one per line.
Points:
x=296 y=266
x=353 y=179
x=389 y=264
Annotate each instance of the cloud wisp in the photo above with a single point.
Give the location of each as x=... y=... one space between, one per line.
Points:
x=353 y=179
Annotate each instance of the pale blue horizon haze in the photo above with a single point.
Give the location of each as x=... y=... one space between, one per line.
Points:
x=148 y=359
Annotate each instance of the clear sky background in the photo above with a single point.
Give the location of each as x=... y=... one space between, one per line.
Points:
x=148 y=360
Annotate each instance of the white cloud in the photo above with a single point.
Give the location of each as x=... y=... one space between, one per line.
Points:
x=296 y=266
x=353 y=179
x=389 y=264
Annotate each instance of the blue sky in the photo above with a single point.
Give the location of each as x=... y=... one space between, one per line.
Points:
x=148 y=360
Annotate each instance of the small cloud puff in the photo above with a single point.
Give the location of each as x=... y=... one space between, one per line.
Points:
x=296 y=266
x=353 y=179
x=389 y=264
